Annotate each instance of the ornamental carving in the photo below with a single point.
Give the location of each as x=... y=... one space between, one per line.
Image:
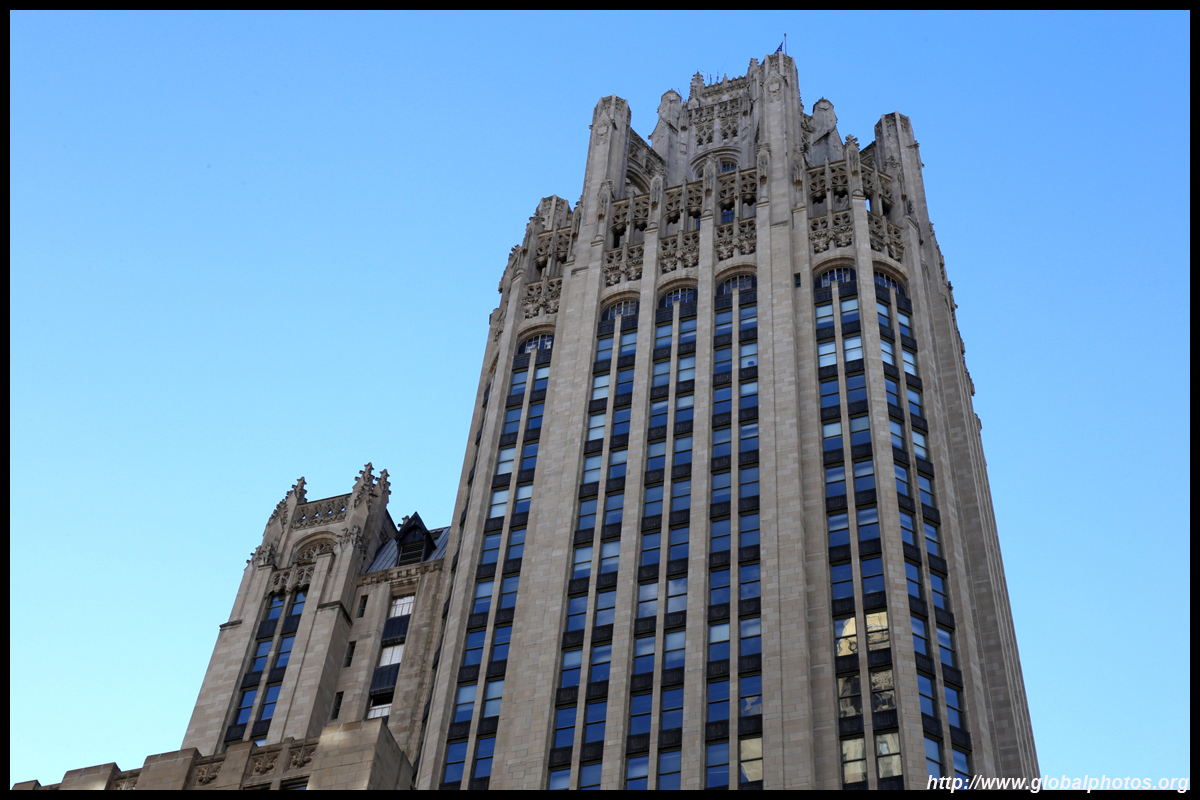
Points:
x=301 y=757
x=542 y=298
x=885 y=237
x=263 y=555
x=207 y=773
x=125 y=783
x=310 y=552
x=735 y=238
x=352 y=537
x=263 y=764
x=320 y=513
x=623 y=263
x=679 y=251
x=822 y=234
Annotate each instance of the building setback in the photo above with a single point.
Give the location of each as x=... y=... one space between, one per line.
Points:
x=723 y=519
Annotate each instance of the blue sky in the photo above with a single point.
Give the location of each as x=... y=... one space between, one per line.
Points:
x=249 y=247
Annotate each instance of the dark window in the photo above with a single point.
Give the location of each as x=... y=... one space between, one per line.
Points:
x=516 y=543
x=868 y=521
x=643 y=655
x=337 y=706
x=349 y=654
x=835 y=481
x=529 y=454
x=718 y=701
x=605 y=607
x=564 y=727
x=500 y=640
x=872 y=575
x=628 y=308
x=856 y=388
x=864 y=476
x=613 y=508
x=738 y=282
x=625 y=381
x=662 y=335
x=277 y=607
x=260 y=656
x=285 y=651
x=639 y=713
x=716 y=765
x=512 y=420
x=491 y=548
x=650 y=549
x=535 y=416
x=839 y=530
x=748 y=581
x=572 y=664
x=748 y=437
x=750 y=690
x=362 y=605
x=245 y=706
x=723 y=400
x=913 y=574
x=597 y=715
x=474 y=649
x=829 y=394
x=621 y=421
x=272 y=697
x=672 y=709
x=831 y=435
x=724 y=323
x=577 y=613
x=720 y=536
x=721 y=491
x=518 y=382
x=587 y=514
x=542 y=341
x=849 y=696
x=843 y=581
x=718 y=583
x=684 y=296
x=838 y=275
x=687 y=330
x=484 y=748
x=604 y=348
x=456 y=757
x=508 y=591
x=464 y=703
x=658 y=412
x=860 y=431
x=656 y=453
x=883 y=691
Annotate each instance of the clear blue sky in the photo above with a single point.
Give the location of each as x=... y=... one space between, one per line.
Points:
x=249 y=247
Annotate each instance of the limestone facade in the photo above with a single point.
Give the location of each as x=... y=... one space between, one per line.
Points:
x=724 y=516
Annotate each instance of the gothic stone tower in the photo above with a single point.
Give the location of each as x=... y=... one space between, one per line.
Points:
x=725 y=517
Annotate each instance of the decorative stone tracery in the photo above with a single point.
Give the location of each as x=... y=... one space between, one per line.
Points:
x=542 y=298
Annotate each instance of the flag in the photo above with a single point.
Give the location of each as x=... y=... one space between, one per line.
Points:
x=780 y=48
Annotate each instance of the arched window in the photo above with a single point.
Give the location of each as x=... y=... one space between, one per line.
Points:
x=883 y=279
x=728 y=166
x=836 y=275
x=685 y=294
x=626 y=308
x=737 y=283
x=543 y=341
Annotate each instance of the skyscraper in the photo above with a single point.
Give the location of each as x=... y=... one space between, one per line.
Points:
x=725 y=408
x=720 y=522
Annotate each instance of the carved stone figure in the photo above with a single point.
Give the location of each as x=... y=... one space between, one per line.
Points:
x=852 y=156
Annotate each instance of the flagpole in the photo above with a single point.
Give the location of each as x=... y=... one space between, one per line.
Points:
x=785 y=44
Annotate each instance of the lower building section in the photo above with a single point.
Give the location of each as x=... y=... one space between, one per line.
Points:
x=356 y=755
